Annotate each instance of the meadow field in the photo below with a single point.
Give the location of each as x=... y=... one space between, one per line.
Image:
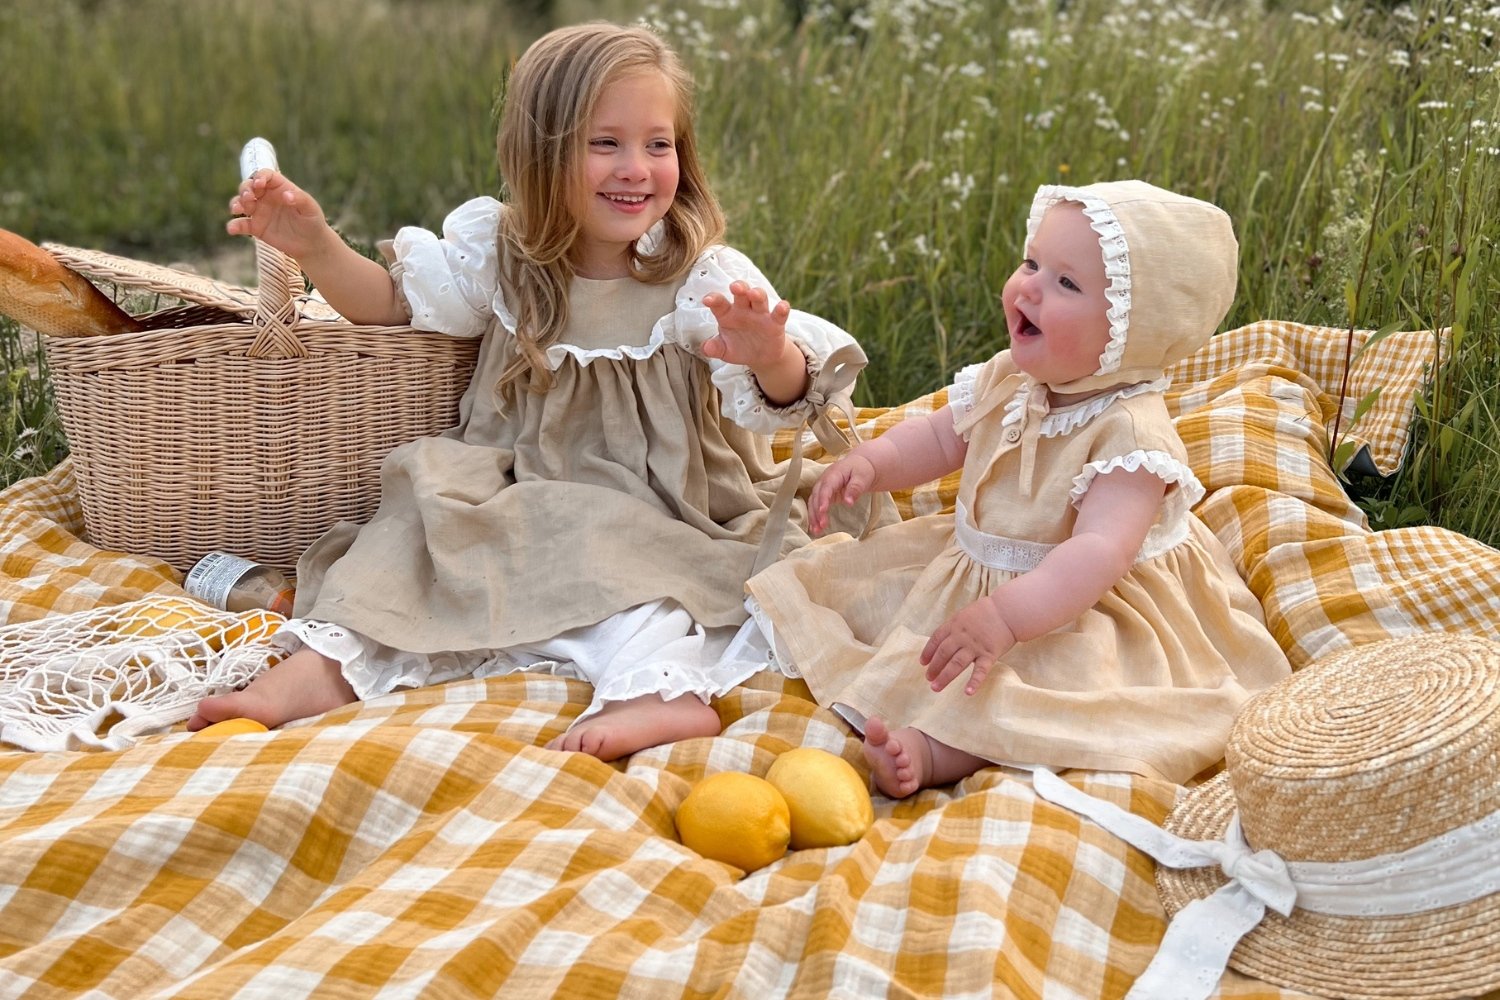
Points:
x=875 y=158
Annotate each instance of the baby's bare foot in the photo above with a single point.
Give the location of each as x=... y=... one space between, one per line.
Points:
x=898 y=759
x=623 y=727
x=304 y=684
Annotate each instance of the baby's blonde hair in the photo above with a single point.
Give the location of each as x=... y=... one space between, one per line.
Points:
x=541 y=146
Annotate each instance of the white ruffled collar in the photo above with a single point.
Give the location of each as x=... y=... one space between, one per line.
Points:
x=1066 y=419
x=690 y=314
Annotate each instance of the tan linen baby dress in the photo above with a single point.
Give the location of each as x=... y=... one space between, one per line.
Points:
x=1150 y=678
x=643 y=474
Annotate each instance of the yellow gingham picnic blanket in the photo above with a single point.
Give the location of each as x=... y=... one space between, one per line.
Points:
x=423 y=844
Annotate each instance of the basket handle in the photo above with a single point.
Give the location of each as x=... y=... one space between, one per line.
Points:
x=275 y=318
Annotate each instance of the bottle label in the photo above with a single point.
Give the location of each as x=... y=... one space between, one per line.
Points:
x=215 y=575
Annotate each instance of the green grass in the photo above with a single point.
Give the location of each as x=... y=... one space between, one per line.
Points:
x=875 y=159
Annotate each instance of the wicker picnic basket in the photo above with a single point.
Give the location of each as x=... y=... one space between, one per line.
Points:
x=248 y=421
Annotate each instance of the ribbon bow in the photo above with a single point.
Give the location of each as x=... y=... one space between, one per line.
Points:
x=829 y=391
x=1196 y=948
x=1026 y=407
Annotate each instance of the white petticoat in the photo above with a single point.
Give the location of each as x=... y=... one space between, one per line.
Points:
x=649 y=649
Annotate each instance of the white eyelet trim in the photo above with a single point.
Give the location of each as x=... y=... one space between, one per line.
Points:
x=1171 y=527
x=1158 y=463
x=1009 y=555
x=556 y=354
x=961 y=393
x=1116 y=252
x=1067 y=419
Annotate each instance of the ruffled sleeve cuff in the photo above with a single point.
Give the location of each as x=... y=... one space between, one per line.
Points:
x=743 y=400
x=451 y=284
x=1171 y=527
x=1160 y=464
x=961 y=393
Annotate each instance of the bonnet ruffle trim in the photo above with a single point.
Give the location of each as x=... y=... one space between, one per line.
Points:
x=1116 y=252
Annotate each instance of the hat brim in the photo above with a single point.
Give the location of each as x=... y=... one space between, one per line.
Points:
x=1451 y=952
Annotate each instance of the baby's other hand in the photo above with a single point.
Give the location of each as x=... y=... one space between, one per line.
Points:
x=845 y=481
x=975 y=637
x=751 y=331
x=270 y=207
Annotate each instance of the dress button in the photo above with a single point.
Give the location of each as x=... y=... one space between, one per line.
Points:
x=1013 y=435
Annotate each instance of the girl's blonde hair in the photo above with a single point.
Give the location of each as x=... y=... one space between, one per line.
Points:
x=542 y=142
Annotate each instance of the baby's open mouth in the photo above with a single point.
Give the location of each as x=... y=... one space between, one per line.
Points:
x=1026 y=328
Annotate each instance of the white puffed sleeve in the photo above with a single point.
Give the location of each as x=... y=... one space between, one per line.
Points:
x=694 y=323
x=451 y=284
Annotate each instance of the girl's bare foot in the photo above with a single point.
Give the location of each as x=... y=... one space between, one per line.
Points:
x=907 y=759
x=304 y=684
x=623 y=727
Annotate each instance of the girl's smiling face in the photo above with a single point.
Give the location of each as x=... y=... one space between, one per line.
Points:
x=1054 y=302
x=629 y=171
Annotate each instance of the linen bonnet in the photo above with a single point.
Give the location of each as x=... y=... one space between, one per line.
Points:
x=1171 y=263
x=1351 y=846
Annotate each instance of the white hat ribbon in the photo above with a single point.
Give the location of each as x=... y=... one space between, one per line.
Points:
x=1457 y=867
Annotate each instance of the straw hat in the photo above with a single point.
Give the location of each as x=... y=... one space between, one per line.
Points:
x=1377 y=750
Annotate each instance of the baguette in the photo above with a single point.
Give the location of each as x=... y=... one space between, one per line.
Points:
x=38 y=291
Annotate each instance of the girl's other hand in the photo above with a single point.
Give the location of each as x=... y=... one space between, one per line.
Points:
x=751 y=331
x=845 y=481
x=974 y=638
x=272 y=208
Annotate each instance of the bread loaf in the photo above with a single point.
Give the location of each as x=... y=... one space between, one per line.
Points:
x=39 y=291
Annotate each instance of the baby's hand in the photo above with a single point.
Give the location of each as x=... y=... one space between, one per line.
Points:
x=975 y=637
x=845 y=481
x=273 y=209
x=751 y=332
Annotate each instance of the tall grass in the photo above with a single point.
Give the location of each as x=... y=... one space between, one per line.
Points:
x=875 y=158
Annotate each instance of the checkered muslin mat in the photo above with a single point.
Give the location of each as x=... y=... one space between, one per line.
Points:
x=423 y=844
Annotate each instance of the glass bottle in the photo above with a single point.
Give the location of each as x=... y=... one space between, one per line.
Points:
x=233 y=583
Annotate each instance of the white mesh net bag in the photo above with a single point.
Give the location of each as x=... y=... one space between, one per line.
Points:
x=99 y=679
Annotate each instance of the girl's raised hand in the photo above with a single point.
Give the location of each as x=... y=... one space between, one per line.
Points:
x=751 y=331
x=845 y=481
x=273 y=209
x=974 y=638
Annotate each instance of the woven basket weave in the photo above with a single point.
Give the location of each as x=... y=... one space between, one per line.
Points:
x=248 y=421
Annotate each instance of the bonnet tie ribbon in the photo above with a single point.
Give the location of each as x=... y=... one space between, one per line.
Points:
x=829 y=391
x=1457 y=867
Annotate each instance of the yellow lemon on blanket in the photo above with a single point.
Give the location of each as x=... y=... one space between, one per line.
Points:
x=232 y=727
x=251 y=626
x=828 y=799
x=162 y=615
x=736 y=818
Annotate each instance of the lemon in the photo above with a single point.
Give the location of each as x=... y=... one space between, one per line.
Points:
x=829 y=802
x=232 y=727
x=736 y=818
x=160 y=615
x=251 y=627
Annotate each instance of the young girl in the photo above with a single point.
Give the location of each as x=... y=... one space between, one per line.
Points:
x=601 y=501
x=1099 y=623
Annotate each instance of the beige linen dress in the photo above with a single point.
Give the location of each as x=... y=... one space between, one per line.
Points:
x=1150 y=678
x=634 y=491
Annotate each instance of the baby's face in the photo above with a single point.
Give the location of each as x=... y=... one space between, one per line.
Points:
x=1054 y=302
